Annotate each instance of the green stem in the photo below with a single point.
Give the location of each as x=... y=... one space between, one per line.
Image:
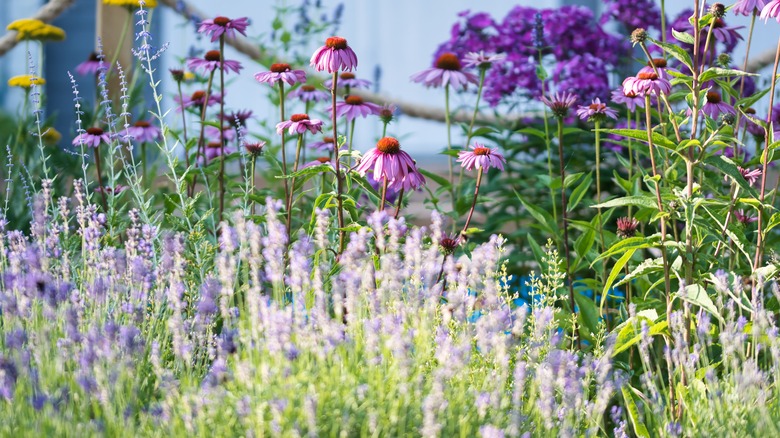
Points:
x=200 y=154
x=339 y=202
x=400 y=203
x=384 y=194
x=143 y=163
x=449 y=142
x=184 y=131
x=630 y=160
x=292 y=183
x=565 y=224
x=598 y=200
x=100 y=179
x=122 y=37
x=474 y=201
x=351 y=137
x=252 y=177
x=284 y=148
x=470 y=133
x=221 y=127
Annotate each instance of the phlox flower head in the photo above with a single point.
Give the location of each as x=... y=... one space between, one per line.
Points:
x=335 y=55
x=223 y=25
x=446 y=71
x=481 y=157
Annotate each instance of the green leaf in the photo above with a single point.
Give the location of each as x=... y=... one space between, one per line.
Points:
x=751 y=100
x=683 y=37
x=633 y=413
x=616 y=270
x=637 y=201
x=696 y=294
x=588 y=314
x=717 y=72
x=641 y=135
x=629 y=335
x=676 y=51
x=579 y=192
x=536 y=249
x=727 y=166
x=312 y=170
x=440 y=180
x=532 y=131
x=540 y=215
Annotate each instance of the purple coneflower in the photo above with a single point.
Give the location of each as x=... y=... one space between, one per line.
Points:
x=626 y=227
x=90 y=66
x=771 y=10
x=335 y=55
x=197 y=99
x=658 y=64
x=445 y=71
x=237 y=118
x=481 y=157
x=631 y=99
x=412 y=181
x=353 y=107
x=482 y=60
x=751 y=176
x=326 y=144
x=317 y=161
x=744 y=218
x=387 y=113
x=348 y=79
x=748 y=7
x=143 y=131
x=299 y=124
x=214 y=149
x=309 y=93
x=647 y=83
x=723 y=33
x=92 y=137
x=387 y=160
x=714 y=106
x=596 y=111
x=448 y=245
x=223 y=25
x=254 y=148
x=212 y=61
x=560 y=103
x=227 y=132
x=281 y=72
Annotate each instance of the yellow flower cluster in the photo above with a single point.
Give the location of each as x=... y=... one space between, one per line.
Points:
x=148 y=4
x=25 y=81
x=37 y=30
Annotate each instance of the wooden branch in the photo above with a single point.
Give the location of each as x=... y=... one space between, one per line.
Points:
x=245 y=46
x=47 y=13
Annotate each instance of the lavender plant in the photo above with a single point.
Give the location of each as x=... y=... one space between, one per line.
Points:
x=204 y=301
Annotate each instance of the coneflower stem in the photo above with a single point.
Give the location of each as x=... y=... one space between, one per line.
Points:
x=564 y=218
x=400 y=203
x=184 y=132
x=351 y=137
x=252 y=177
x=470 y=132
x=200 y=153
x=474 y=201
x=598 y=199
x=744 y=66
x=292 y=182
x=143 y=163
x=449 y=142
x=221 y=127
x=284 y=149
x=649 y=130
x=384 y=194
x=100 y=179
x=384 y=130
x=630 y=160
x=340 y=206
x=765 y=155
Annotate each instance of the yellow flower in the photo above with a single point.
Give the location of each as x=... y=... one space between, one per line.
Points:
x=37 y=30
x=51 y=136
x=188 y=76
x=25 y=81
x=148 y=4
